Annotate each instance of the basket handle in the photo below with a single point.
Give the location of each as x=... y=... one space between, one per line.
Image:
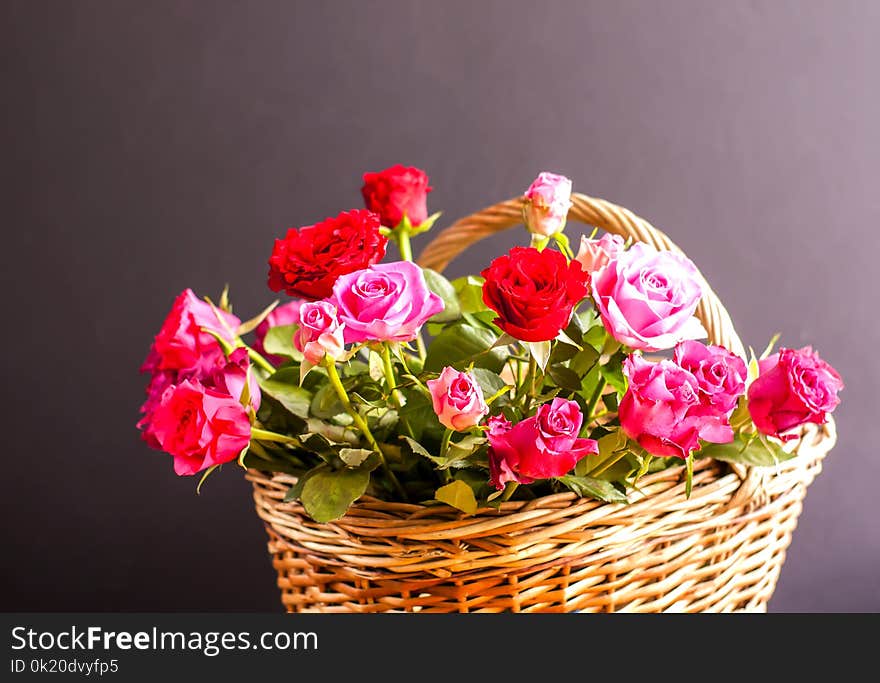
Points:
x=599 y=213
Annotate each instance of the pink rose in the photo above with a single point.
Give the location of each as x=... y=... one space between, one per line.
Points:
x=320 y=333
x=794 y=387
x=182 y=345
x=548 y=200
x=595 y=254
x=199 y=427
x=385 y=302
x=458 y=399
x=159 y=382
x=720 y=374
x=285 y=314
x=545 y=445
x=647 y=298
x=230 y=378
x=662 y=410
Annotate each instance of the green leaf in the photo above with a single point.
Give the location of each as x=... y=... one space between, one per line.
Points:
x=326 y=404
x=595 y=335
x=454 y=460
x=612 y=371
x=460 y=344
x=279 y=341
x=490 y=382
x=295 y=491
x=459 y=495
x=565 y=339
x=583 y=361
x=469 y=290
x=588 y=487
x=564 y=377
x=284 y=387
x=444 y=289
x=328 y=494
x=756 y=451
x=418 y=413
x=353 y=457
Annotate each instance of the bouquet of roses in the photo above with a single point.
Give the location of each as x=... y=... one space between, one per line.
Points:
x=546 y=372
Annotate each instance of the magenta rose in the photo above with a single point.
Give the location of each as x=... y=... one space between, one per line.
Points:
x=231 y=377
x=285 y=314
x=594 y=255
x=545 y=445
x=662 y=410
x=457 y=399
x=385 y=302
x=547 y=202
x=183 y=346
x=720 y=374
x=647 y=298
x=793 y=387
x=320 y=333
x=199 y=427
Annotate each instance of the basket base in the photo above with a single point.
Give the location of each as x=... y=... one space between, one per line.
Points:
x=719 y=551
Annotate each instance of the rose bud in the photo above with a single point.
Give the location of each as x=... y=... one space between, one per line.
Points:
x=547 y=202
x=397 y=192
x=320 y=333
x=458 y=399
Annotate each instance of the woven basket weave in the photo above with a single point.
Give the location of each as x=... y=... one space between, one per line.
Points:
x=719 y=551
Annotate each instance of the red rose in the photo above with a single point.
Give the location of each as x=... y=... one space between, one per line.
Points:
x=200 y=427
x=539 y=447
x=397 y=191
x=533 y=292
x=793 y=387
x=307 y=261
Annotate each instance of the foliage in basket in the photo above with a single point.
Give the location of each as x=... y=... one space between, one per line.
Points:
x=543 y=373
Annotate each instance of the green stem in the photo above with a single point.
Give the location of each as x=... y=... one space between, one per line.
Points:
x=388 y=367
x=361 y=423
x=607 y=464
x=402 y=238
x=529 y=383
x=392 y=386
x=420 y=346
x=409 y=372
x=594 y=399
x=444 y=444
x=259 y=360
x=509 y=490
x=266 y=435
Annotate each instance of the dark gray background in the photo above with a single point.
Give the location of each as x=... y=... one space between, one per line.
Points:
x=147 y=147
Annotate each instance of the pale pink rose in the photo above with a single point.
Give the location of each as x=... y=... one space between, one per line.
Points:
x=285 y=314
x=720 y=375
x=794 y=387
x=595 y=254
x=662 y=410
x=320 y=333
x=548 y=200
x=385 y=302
x=647 y=298
x=458 y=399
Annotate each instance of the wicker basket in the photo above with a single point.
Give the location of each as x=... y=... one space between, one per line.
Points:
x=719 y=551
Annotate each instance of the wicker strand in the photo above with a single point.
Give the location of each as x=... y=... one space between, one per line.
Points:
x=721 y=550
